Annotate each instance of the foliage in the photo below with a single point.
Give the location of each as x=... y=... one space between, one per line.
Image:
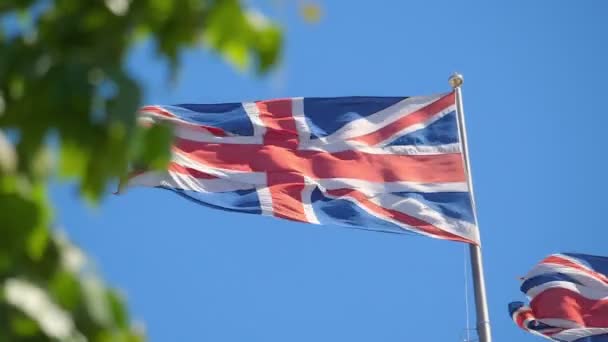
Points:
x=64 y=88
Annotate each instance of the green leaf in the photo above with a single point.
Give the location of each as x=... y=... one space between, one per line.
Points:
x=241 y=37
x=268 y=45
x=73 y=159
x=237 y=54
x=152 y=151
x=123 y=105
x=37 y=242
x=118 y=336
x=119 y=312
x=61 y=93
x=65 y=288
x=19 y=216
x=16 y=87
x=34 y=302
x=97 y=306
x=23 y=326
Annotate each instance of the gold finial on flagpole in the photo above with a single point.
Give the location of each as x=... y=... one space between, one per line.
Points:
x=456 y=80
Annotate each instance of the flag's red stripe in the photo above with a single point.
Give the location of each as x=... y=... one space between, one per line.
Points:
x=522 y=316
x=419 y=116
x=226 y=156
x=526 y=315
x=160 y=111
x=319 y=165
x=398 y=216
x=382 y=168
x=555 y=259
x=286 y=192
x=277 y=117
x=157 y=110
x=566 y=304
x=177 y=168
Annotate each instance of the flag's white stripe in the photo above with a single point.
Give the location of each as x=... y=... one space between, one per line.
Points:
x=309 y=211
x=582 y=277
x=156 y=116
x=146 y=120
x=413 y=149
x=372 y=188
x=253 y=112
x=297 y=111
x=421 y=211
x=342 y=145
x=576 y=261
x=552 y=330
x=187 y=182
x=151 y=179
x=193 y=132
x=592 y=293
x=471 y=236
x=560 y=322
x=418 y=126
x=537 y=333
x=256 y=178
x=384 y=218
x=150 y=118
x=381 y=118
x=543 y=268
x=518 y=312
x=265 y=199
x=526 y=321
x=571 y=335
x=200 y=136
x=579 y=275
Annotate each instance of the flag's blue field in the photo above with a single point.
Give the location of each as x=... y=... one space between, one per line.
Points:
x=535 y=76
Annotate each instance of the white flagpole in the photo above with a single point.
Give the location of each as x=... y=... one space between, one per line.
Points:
x=479 y=287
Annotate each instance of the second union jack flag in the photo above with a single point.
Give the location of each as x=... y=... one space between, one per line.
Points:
x=568 y=299
x=389 y=164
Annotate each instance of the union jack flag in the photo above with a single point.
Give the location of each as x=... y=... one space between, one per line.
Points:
x=390 y=164
x=568 y=299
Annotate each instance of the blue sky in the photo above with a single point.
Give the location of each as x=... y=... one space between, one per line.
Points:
x=534 y=74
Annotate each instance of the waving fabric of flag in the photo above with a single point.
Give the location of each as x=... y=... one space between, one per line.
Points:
x=568 y=299
x=390 y=164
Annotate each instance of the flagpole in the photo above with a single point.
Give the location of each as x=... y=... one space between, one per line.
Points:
x=479 y=287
